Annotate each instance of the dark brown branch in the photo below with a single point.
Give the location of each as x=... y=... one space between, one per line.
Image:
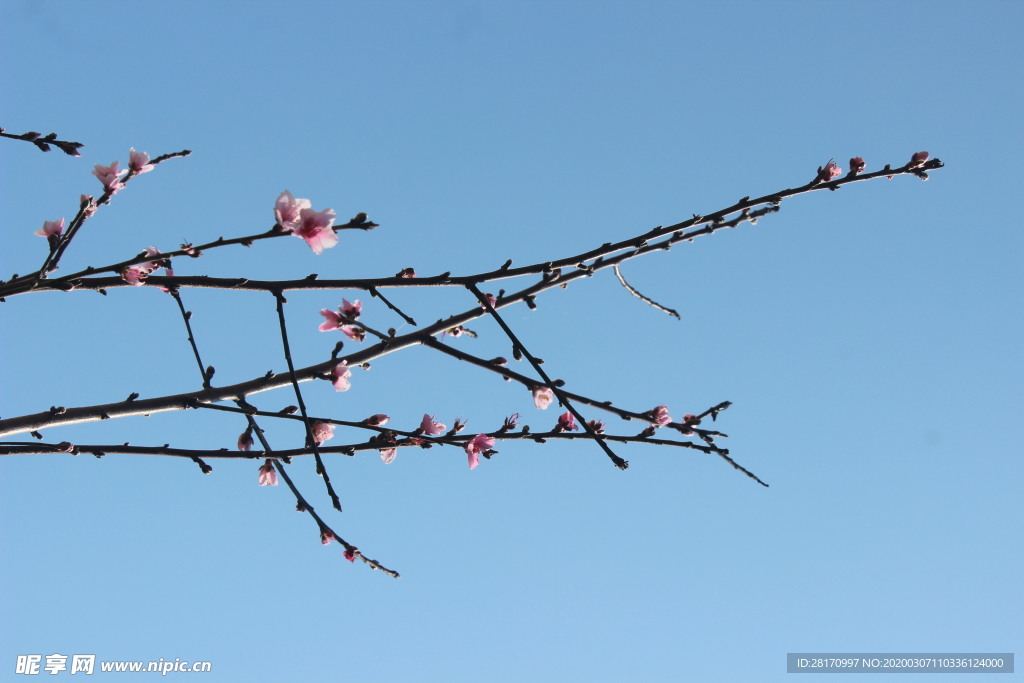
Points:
x=310 y=436
x=43 y=142
x=711 y=223
x=563 y=398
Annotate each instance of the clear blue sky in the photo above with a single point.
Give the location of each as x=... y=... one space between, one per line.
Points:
x=870 y=339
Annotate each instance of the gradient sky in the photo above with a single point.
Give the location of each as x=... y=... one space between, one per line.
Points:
x=870 y=339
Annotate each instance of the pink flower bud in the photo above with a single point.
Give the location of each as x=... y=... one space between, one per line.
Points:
x=341 y=373
x=350 y=553
x=378 y=420
x=245 y=440
x=88 y=205
x=918 y=159
x=542 y=397
x=110 y=176
x=322 y=431
x=138 y=162
x=388 y=455
x=566 y=423
x=829 y=172
x=268 y=475
x=169 y=273
x=326 y=536
x=51 y=229
x=856 y=165
x=661 y=416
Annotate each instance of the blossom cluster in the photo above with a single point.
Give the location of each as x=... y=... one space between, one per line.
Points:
x=112 y=176
x=136 y=275
x=297 y=217
x=347 y=313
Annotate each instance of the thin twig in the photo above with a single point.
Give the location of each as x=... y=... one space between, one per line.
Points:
x=650 y=302
x=314 y=444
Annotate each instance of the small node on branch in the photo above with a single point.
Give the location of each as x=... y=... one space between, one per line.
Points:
x=132 y=396
x=36 y=435
x=203 y=467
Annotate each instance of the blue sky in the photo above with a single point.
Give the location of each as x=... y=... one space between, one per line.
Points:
x=867 y=337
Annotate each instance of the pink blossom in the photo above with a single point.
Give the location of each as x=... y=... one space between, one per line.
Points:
x=387 y=455
x=510 y=422
x=326 y=536
x=830 y=171
x=661 y=416
x=688 y=421
x=350 y=553
x=287 y=209
x=51 y=228
x=856 y=165
x=476 y=446
x=110 y=176
x=542 y=397
x=268 y=475
x=918 y=159
x=245 y=440
x=88 y=205
x=169 y=273
x=491 y=300
x=138 y=162
x=458 y=426
x=353 y=332
x=315 y=228
x=351 y=310
x=429 y=427
x=566 y=422
x=333 y=321
x=341 y=373
x=135 y=275
x=322 y=431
